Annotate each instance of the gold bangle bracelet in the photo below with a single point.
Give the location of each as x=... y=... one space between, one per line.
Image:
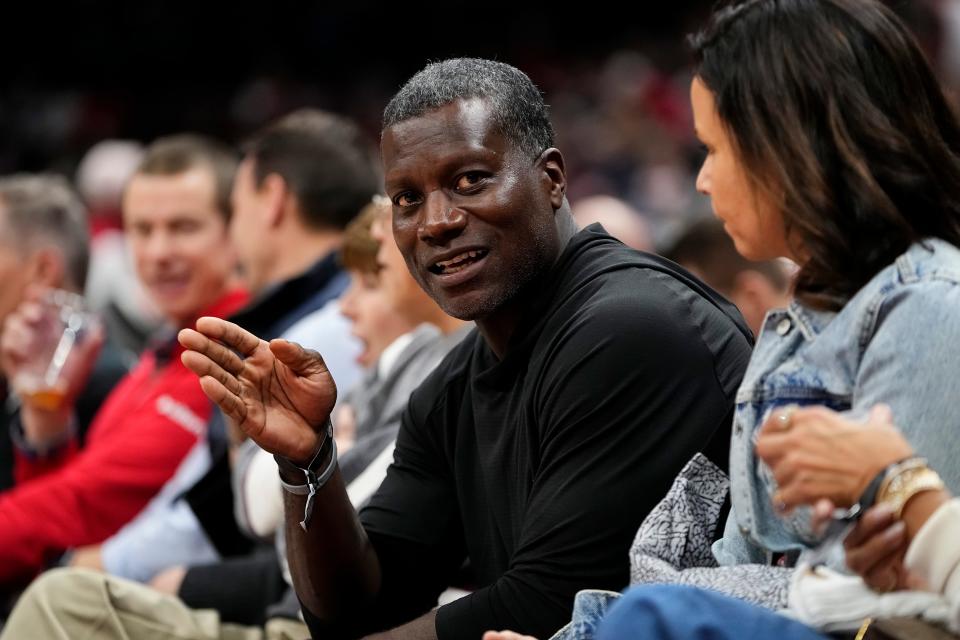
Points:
x=906 y=484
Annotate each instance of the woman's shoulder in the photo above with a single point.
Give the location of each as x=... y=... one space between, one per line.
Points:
x=924 y=269
x=919 y=291
x=929 y=260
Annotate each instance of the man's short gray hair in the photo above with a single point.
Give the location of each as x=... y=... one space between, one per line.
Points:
x=43 y=210
x=517 y=105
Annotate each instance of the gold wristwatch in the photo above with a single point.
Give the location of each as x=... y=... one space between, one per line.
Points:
x=905 y=480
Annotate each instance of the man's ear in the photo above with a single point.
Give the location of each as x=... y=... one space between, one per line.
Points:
x=274 y=194
x=48 y=268
x=554 y=171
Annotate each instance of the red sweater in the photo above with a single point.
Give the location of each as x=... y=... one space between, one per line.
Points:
x=144 y=429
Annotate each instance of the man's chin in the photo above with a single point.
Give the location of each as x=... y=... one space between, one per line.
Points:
x=469 y=307
x=180 y=314
x=484 y=298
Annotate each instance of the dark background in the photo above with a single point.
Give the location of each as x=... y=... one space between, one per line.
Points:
x=616 y=77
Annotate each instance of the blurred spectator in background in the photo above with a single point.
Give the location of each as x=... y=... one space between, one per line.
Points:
x=112 y=287
x=707 y=252
x=302 y=179
x=620 y=220
x=43 y=242
x=176 y=210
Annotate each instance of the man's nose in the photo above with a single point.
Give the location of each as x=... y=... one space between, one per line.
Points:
x=442 y=221
x=158 y=246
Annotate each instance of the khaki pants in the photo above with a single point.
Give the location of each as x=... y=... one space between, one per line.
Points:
x=78 y=604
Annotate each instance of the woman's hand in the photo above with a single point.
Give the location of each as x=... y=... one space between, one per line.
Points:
x=816 y=453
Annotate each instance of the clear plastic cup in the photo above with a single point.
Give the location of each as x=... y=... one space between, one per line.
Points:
x=60 y=350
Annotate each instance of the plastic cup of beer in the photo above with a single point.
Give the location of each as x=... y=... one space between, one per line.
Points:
x=57 y=350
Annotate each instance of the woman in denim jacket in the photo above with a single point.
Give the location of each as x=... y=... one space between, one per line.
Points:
x=830 y=142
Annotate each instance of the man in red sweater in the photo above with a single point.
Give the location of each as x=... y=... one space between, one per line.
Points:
x=175 y=210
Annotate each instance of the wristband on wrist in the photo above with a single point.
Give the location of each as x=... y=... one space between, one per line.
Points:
x=314 y=477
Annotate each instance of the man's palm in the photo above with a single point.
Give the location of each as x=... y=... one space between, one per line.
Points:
x=278 y=393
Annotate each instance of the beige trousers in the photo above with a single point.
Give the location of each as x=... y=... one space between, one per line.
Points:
x=78 y=604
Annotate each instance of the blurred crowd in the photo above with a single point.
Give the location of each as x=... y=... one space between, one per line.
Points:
x=622 y=115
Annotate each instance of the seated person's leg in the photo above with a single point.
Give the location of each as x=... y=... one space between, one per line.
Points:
x=675 y=612
x=66 y=604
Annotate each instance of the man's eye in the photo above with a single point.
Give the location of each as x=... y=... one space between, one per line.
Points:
x=405 y=199
x=186 y=226
x=468 y=180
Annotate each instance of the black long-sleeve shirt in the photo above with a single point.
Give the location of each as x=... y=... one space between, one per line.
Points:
x=538 y=468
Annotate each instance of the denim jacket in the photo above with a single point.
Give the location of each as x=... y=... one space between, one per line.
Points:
x=897 y=341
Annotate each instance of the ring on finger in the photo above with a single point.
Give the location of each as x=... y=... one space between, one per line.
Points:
x=785 y=416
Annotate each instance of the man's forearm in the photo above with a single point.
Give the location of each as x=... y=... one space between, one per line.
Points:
x=334 y=567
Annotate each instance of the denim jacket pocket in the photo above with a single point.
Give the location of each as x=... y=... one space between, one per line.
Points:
x=752 y=483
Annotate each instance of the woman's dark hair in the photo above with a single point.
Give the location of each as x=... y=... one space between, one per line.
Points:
x=839 y=120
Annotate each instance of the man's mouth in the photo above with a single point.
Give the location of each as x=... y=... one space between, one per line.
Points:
x=458 y=262
x=169 y=284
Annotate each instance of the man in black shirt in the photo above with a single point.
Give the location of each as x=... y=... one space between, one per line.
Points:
x=538 y=445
